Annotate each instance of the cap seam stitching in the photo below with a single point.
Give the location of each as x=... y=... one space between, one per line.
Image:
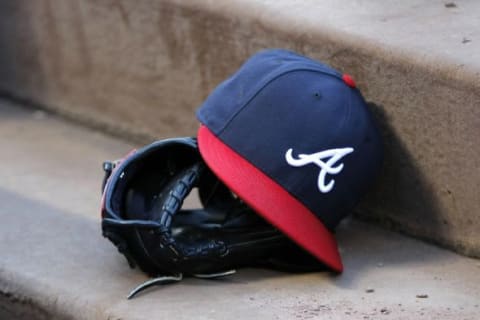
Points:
x=266 y=84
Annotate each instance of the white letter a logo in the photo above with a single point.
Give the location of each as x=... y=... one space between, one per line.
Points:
x=333 y=155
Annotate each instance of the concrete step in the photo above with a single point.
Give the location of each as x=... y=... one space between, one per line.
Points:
x=54 y=263
x=141 y=68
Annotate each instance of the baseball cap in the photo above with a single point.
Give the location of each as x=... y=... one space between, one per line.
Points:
x=294 y=139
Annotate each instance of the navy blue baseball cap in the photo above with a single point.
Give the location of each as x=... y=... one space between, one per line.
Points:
x=294 y=139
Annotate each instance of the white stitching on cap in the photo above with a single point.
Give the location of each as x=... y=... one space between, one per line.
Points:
x=325 y=167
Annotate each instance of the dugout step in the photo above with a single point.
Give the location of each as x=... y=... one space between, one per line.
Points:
x=55 y=264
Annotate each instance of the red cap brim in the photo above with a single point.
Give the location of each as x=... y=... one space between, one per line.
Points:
x=269 y=199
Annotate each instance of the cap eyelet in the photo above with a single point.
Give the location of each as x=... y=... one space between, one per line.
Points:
x=317 y=95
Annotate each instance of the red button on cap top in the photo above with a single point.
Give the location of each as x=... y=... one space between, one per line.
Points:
x=349 y=80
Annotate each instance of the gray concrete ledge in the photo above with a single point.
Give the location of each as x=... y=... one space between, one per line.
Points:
x=141 y=68
x=54 y=263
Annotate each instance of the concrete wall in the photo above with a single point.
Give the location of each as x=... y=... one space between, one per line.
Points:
x=140 y=68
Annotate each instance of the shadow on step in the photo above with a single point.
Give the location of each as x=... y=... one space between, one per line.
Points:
x=402 y=198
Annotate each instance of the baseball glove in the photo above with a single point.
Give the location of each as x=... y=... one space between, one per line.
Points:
x=142 y=215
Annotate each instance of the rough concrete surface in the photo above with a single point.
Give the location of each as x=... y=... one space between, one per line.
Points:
x=54 y=264
x=141 y=68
